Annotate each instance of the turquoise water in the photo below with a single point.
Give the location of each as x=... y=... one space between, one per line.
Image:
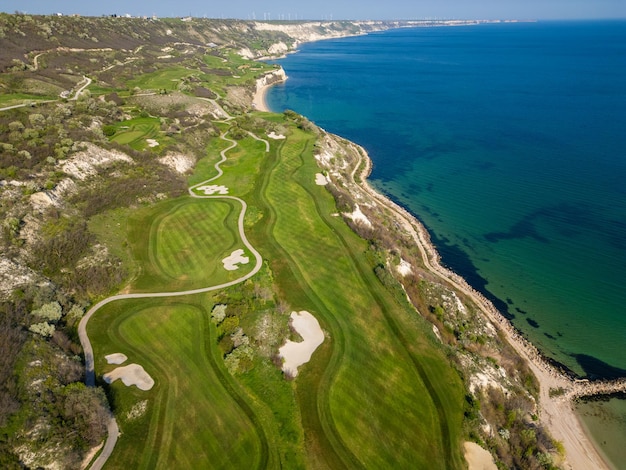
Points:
x=509 y=143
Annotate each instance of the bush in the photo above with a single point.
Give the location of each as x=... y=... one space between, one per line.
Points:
x=44 y=329
x=218 y=314
x=50 y=311
x=109 y=130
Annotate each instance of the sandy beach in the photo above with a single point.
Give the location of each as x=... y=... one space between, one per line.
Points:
x=259 y=102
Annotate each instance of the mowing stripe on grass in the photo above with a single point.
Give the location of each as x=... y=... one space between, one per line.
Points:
x=369 y=317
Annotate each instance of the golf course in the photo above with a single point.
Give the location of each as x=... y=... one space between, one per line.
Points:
x=379 y=389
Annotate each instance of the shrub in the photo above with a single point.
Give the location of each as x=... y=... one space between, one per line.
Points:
x=109 y=130
x=50 y=311
x=218 y=314
x=44 y=329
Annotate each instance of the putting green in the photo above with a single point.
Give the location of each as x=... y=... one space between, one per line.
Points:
x=135 y=132
x=181 y=244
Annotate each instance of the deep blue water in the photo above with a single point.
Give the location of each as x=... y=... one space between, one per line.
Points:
x=508 y=142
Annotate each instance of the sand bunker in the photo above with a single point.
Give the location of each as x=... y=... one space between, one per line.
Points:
x=132 y=374
x=320 y=180
x=213 y=189
x=273 y=135
x=236 y=257
x=478 y=458
x=296 y=354
x=152 y=143
x=116 y=358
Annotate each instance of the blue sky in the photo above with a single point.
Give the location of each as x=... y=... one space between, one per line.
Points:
x=332 y=9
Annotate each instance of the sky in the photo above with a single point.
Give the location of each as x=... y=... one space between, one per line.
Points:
x=331 y=9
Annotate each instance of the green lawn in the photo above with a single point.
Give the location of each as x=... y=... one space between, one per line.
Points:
x=165 y=79
x=181 y=244
x=10 y=99
x=193 y=417
x=376 y=398
x=135 y=132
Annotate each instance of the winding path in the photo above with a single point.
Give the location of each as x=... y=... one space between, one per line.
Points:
x=80 y=90
x=90 y=378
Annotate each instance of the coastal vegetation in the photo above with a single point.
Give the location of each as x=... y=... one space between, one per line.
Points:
x=103 y=192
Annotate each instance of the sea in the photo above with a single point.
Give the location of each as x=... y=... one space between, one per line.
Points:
x=508 y=142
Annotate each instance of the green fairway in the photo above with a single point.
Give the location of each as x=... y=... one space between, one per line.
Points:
x=378 y=391
x=181 y=244
x=166 y=79
x=191 y=418
x=375 y=401
x=11 y=99
x=136 y=132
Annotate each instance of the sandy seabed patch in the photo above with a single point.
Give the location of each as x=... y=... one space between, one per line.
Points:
x=320 y=179
x=236 y=257
x=296 y=354
x=116 y=358
x=132 y=374
x=478 y=458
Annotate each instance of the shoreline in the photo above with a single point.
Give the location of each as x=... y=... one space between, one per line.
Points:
x=556 y=413
x=259 y=102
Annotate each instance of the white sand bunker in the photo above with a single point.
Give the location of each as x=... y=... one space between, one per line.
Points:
x=273 y=135
x=213 y=189
x=296 y=354
x=152 y=143
x=236 y=257
x=132 y=374
x=478 y=458
x=320 y=179
x=116 y=358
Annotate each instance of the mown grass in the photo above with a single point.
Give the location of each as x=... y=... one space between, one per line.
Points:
x=240 y=169
x=375 y=399
x=378 y=392
x=135 y=132
x=181 y=244
x=165 y=79
x=11 y=99
x=193 y=418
